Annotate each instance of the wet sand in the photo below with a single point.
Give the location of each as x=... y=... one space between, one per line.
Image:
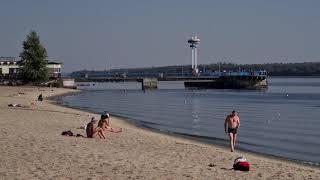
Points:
x=31 y=147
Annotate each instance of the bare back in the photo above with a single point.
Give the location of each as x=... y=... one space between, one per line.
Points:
x=90 y=129
x=102 y=123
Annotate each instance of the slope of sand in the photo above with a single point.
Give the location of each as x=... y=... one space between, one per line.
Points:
x=31 y=147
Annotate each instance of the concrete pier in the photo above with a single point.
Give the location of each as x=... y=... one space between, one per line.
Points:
x=149 y=83
x=251 y=81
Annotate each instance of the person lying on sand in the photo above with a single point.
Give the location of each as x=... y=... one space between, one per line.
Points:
x=93 y=131
x=17 y=105
x=104 y=123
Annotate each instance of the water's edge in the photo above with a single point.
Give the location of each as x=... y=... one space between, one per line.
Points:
x=58 y=100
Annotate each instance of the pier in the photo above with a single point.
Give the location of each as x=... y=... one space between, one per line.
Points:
x=213 y=80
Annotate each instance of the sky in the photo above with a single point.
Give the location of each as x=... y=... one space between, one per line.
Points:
x=107 y=34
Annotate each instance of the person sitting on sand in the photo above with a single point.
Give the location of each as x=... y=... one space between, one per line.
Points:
x=104 y=123
x=93 y=131
x=40 y=98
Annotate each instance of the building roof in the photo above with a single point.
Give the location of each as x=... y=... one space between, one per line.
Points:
x=18 y=60
x=8 y=59
x=54 y=63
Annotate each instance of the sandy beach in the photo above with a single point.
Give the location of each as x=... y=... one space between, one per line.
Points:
x=32 y=147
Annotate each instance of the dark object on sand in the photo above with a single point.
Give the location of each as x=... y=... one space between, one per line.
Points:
x=211 y=165
x=14 y=105
x=18 y=105
x=67 y=133
x=70 y=133
x=241 y=164
x=40 y=98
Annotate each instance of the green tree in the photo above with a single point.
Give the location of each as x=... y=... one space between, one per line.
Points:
x=34 y=61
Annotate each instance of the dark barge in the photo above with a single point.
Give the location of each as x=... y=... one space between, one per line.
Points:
x=237 y=80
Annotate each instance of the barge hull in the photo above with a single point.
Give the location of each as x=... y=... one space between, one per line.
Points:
x=249 y=82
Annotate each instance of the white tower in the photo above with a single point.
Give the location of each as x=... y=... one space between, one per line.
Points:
x=194 y=41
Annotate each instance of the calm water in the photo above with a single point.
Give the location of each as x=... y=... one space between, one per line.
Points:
x=282 y=121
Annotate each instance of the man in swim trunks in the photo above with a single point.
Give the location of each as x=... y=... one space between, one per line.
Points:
x=93 y=131
x=232 y=122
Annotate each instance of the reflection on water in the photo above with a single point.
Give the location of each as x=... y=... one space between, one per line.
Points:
x=281 y=121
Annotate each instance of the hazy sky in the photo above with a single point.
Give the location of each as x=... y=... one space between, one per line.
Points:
x=100 y=34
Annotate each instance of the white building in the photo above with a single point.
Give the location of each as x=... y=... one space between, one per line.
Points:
x=9 y=67
x=54 y=69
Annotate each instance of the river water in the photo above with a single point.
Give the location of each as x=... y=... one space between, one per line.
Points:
x=282 y=121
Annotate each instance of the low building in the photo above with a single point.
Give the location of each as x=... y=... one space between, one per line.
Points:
x=9 y=68
x=54 y=69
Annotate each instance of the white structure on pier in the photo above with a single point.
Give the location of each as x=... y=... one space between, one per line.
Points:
x=194 y=41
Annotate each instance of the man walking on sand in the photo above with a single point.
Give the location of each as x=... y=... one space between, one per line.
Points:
x=232 y=122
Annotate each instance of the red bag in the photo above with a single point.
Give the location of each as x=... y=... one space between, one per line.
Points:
x=241 y=166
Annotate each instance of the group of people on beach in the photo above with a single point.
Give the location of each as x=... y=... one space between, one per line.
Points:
x=40 y=98
x=95 y=128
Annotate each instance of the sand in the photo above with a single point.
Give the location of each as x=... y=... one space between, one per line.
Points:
x=31 y=147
